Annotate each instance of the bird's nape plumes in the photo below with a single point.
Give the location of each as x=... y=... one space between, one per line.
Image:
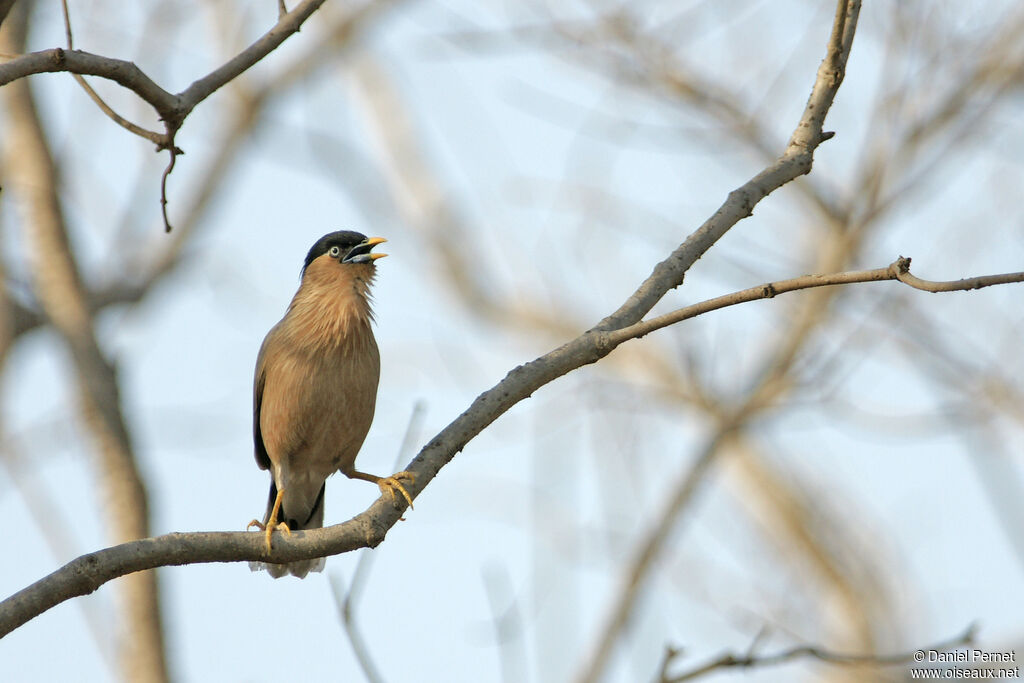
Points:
x=315 y=520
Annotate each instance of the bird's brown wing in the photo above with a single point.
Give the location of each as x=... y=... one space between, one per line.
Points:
x=262 y=457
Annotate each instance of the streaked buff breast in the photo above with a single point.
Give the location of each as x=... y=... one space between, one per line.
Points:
x=318 y=404
x=320 y=368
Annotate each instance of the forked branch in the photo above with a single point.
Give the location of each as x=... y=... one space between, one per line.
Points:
x=172 y=109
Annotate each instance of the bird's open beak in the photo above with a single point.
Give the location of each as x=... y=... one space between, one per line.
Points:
x=361 y=252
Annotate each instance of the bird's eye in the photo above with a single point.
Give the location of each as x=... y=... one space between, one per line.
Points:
x=335 y=251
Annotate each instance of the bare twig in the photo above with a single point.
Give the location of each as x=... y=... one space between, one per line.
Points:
x=750 y=660
x=173 y=156
x=172 y=109
x=54 y=529
x=904 y=275
x=897 y=270
x=152 y=136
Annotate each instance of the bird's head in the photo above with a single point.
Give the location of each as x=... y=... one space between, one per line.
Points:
x=344 y=247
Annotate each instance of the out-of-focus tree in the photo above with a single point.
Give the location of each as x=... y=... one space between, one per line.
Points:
x=701 y=480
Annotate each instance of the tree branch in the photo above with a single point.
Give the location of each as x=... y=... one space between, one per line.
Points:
x=368 y=529
x=287 y=25
x=88 y=572
x=749 y=660
x=125 y=74
x=794 y=162
x=172 y=109
x=897 y=270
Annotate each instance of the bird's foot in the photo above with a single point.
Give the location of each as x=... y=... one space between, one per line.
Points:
x=394 y=483
x=268 y=529
x=272 y=523
x=280 y=526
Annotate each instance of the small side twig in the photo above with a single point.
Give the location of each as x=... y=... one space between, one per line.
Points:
x=158 y=139
x=897 y=270
x=174 y=152
x=161 y=140
x=750 y=660
x=902 y=271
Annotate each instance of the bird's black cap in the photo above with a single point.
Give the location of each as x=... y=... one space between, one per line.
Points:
x=344 y=239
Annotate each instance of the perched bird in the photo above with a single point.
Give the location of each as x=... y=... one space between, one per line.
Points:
x=315 y=390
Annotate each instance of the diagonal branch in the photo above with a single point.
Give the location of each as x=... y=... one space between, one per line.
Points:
x=368 y=529
x=286 y=26
x=794 y=162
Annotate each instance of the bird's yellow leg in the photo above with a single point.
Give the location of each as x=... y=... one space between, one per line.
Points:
x=388 y=485
x=272 y=523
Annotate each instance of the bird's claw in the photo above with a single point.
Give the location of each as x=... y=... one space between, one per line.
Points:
x=269 y=530
x=281 y=526
x=390 y=484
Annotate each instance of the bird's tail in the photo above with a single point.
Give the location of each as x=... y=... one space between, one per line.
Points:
x=315 y=520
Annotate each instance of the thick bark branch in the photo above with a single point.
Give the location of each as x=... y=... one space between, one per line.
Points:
x=88 y=572
x=124 y=73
